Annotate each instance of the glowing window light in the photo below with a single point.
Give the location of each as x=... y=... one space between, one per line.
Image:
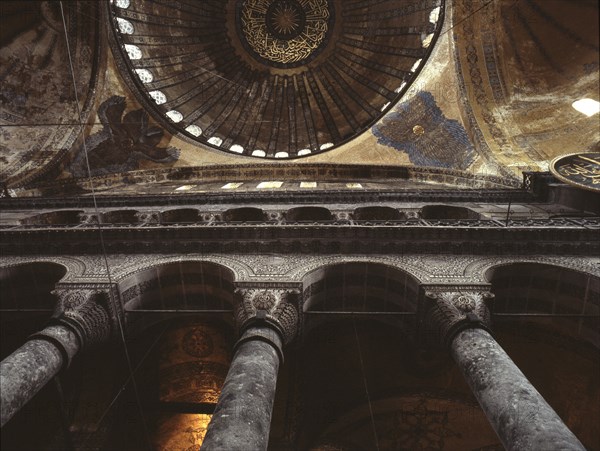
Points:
x=434 y=15
x=145 y=75
x=308 y=184
x=400 y=88
x=353 y=185
x=384 y=107
x=302 y=152
x=426 y=40
x=193 y=130
x=133 y=52
x=158 y=97
x=589 y=107
x=185 y=188
x=269 y=185
x=232 y=185
x=326 y=146
x=416 y=65
x=215 y=141
x=125 y=26
x=123 y=4
x=259 y=153
x=281 y=155
x=237 y=148
x=174 y=115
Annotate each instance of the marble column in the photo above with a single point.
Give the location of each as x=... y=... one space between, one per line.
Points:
x=81 y=321
x=518 y=413
x=242 y=418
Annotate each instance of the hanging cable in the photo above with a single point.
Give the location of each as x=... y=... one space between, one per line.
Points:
x=102 y=245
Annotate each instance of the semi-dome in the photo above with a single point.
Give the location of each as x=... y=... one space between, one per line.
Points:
x=272 y=78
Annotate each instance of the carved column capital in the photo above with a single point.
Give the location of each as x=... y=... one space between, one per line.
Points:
x=448 y=312
x=274 y=307
x=86 y=312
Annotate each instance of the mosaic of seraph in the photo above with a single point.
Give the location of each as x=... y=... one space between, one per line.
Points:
x=38 y=115
x=419 y=128
x=124 y=142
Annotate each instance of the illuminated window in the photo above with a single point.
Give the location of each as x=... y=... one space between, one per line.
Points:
x=426 y=40
x=259 y=153
x=145 y=75
x=125 y=26
x=175 y=116
x=281 y=155
x=232 y=185
x=434 y=15
x=308 y=184
x=589 y=107
x=326 y=146
x=354 y=185
x=397 y=90
x=237 y=148
x=158 y=97
x=267 y=185
x=185 y=188
x=133 y=52
x=121 y=3
x=304 y=152
x=215 y=141
x=416 y=65
x=193 y=130
x=384 y=107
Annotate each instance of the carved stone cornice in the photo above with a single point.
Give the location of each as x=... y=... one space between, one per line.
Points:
x=273 y=307
x=86 y=312
x=448 y=311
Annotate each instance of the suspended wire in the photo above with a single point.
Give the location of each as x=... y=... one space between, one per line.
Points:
x=364 y=377
x=111 y=292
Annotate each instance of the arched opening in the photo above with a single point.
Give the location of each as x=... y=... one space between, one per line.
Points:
x=448 y=212
x=360 y=287
x=180 y=215
x=244 y=214
x=59 y=217
x=300 y=214
x=377 y=213
x=120 y=217
x=168 y=290
x=547 y=318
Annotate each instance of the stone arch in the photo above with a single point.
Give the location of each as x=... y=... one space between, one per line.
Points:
x=377 y=213
x=310 y=213
x=180 y=215
x=244 y=214
x=120 y=217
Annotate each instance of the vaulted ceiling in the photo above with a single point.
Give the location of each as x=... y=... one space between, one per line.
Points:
x=481 y=88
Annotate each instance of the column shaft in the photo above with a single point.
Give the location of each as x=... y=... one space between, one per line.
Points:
x=242 y=418
x=29 y=368
x=520 y=416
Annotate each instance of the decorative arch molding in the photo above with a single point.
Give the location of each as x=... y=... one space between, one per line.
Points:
x=240 y=270
x=298 y=273
x=477 y=269
x=75 y=267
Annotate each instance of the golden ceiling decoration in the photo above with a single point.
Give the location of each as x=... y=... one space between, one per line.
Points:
x=285 y=31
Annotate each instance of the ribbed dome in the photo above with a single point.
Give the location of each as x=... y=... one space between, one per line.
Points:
x=272 y=78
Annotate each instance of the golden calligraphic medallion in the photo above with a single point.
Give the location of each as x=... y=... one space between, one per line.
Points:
x=578 y=169
x=285 y=33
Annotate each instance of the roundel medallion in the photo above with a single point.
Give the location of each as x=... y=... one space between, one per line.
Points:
x=284 y=33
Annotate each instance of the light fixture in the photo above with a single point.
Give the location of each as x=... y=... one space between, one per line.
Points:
x=589 y=107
